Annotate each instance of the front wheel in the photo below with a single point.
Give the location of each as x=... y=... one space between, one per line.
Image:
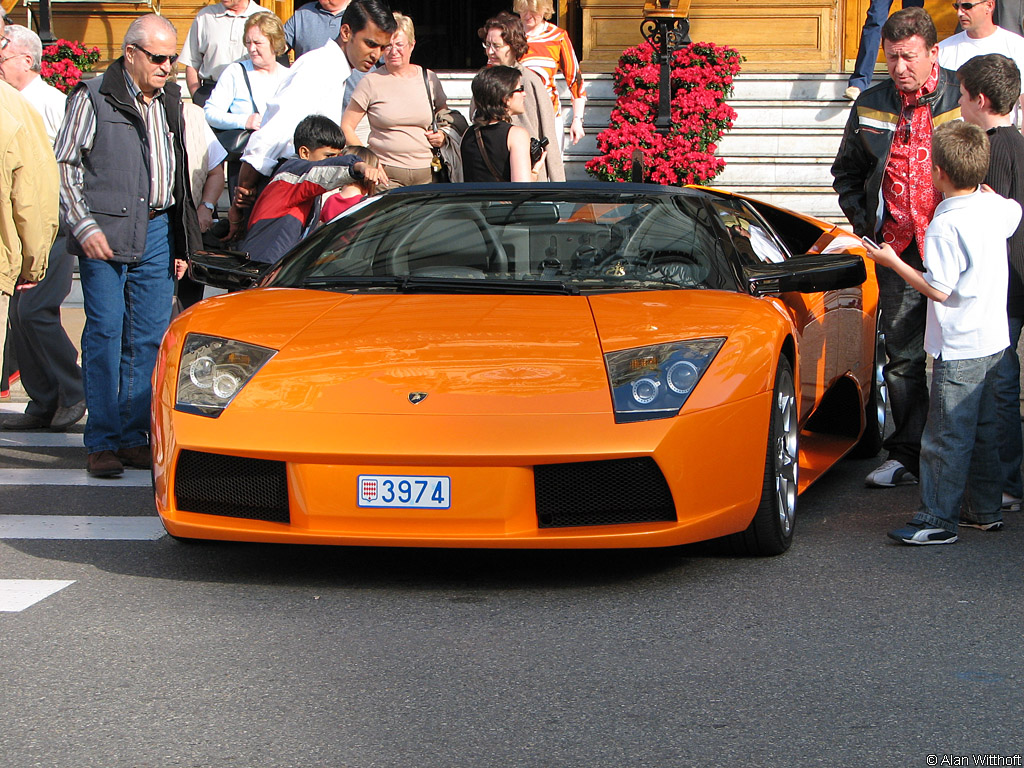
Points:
x=771 y=530
x=870 y=442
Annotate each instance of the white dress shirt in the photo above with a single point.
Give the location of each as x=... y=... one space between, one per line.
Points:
x=315 y=85
x=48 y=102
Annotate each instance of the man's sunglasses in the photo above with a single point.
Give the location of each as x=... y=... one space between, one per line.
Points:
x=156 y=58
x=968 y=6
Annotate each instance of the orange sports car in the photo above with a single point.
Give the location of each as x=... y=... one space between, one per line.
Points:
x=554 y=365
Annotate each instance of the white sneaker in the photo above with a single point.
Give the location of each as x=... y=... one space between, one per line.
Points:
x=889 y=475
x=852 y=93
x=1010 y=503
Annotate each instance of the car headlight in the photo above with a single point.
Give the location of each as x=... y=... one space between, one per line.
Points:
x=654 y=382
x=213 y=370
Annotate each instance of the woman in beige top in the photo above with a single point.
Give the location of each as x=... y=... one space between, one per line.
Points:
x=504 y=41
x=398 y=109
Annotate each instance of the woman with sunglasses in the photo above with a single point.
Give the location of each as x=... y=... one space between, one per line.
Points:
x=504 y=42
x=494 y=150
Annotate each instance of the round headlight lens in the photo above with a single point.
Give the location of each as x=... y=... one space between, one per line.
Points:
x=682 y=377
x=201 y=372
x=645 y=390
x=226 y=385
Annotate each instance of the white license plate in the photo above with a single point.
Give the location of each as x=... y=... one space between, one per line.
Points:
x=404 y=491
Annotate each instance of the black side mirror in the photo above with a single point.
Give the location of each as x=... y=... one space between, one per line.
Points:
x=225 y=269
x=810 y=273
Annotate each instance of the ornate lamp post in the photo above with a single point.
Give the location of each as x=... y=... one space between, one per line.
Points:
x=667 y=28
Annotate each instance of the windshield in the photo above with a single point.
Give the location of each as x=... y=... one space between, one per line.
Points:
x=522 y=242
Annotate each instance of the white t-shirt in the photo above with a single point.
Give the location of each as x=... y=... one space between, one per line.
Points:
x=955 y=51
x=965 y=256
x=959 y=48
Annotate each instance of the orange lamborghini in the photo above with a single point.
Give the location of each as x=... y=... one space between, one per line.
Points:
x=559 y=365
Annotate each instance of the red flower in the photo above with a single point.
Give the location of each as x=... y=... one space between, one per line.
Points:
x=65 y=61
x=701 y=78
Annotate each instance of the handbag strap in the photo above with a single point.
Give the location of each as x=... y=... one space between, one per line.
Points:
x=430 y=100
x=483 y=153
x=248 y=86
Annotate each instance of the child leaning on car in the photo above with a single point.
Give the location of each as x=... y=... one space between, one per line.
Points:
x=966 y=332
x=284 y=210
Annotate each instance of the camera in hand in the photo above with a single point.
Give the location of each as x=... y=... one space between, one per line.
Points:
x=537 y=149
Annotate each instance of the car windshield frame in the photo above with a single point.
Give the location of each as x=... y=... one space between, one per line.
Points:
x=528 y=239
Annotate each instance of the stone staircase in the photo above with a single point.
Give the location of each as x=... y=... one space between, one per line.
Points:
x=786 y=134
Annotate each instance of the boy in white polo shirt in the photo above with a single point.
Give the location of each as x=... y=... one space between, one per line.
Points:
x=966 y=332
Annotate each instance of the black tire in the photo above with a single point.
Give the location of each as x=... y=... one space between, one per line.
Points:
x=870 y=442
x=771 y=530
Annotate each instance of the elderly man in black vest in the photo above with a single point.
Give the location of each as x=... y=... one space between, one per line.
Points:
x=131 y=222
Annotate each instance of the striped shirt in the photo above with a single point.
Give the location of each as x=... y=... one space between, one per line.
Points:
x=76 y=138
x=551 y=51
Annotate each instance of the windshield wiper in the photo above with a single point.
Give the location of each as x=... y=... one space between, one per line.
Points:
x=413 y=284
x=352 y=281
x=501 y=285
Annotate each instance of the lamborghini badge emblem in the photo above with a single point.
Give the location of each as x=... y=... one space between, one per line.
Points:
x=417 y=397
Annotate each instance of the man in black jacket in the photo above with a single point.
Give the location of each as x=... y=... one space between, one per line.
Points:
x=130 y=221
x=883 y=176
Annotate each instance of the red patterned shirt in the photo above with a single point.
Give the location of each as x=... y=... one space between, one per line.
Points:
x=907 y=189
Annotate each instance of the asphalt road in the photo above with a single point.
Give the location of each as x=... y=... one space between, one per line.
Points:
x=849 y=650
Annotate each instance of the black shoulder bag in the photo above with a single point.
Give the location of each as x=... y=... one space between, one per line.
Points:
x=234 y=139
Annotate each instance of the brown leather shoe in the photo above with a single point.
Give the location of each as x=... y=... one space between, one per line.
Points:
x=138 y=456
x=104 y=464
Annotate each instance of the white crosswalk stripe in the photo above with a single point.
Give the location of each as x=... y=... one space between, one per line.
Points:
x=68 y=527
x=80 y=527
x=18 y=594
x=132 y=478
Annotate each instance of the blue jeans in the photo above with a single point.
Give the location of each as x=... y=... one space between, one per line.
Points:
x=127 y=309
x=904 y=312
x=1007 y=386
x=871 y=37
x=960 y=446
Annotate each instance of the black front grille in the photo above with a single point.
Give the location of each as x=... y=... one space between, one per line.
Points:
x=231 y=486
x=602 y=493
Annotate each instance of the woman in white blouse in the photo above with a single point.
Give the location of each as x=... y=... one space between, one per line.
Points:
x=243 y=89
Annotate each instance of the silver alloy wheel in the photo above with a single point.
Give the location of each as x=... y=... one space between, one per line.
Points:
x=786 y=457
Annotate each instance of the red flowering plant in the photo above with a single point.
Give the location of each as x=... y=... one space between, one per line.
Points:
x=65 y=61
x=701 y=79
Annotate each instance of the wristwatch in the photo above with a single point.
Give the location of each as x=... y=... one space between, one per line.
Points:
x=211 y=206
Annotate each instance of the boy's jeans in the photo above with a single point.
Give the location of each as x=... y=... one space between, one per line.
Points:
x=1011 y=443
x=960 y=445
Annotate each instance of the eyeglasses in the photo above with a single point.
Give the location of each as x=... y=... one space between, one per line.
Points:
x=520 y=89
x=968 y=6
x=13 y=56
x=156 y=58
x=494 y=46
x=4 y=42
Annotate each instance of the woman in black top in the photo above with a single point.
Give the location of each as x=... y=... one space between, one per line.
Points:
x=493 y=149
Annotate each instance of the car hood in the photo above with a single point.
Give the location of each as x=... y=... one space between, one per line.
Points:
x=450 y=354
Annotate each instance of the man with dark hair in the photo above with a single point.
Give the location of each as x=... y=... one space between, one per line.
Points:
x=882 y=173
x=870 y=37
x=130 y=220
x=321 y=82
x=989 y=90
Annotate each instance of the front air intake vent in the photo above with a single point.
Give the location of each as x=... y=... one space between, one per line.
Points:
x=231 y=486
x=611 y=492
